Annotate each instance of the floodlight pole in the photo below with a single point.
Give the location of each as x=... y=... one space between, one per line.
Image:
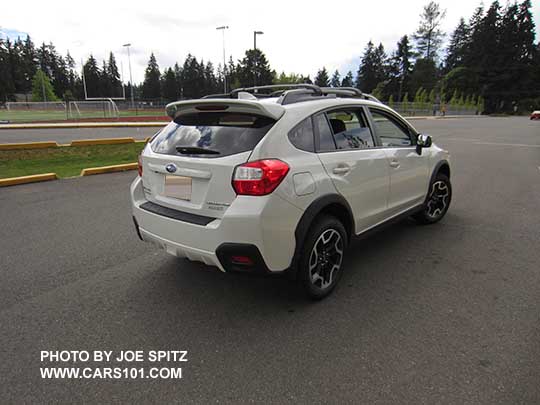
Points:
x=255 y=33
x=222 y=29
x=130 y=76
x=84 y=81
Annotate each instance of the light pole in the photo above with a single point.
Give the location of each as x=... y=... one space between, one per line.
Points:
x=223 y=28
x=255 y=33
x=130 y=76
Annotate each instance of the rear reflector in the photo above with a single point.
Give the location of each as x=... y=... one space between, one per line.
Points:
x=242 y=260
x=260 y=177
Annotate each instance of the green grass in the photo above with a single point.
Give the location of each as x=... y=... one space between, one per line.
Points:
x=65 y=161
x=29 y=116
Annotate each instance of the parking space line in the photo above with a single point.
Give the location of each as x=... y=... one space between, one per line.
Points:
x=523 y=145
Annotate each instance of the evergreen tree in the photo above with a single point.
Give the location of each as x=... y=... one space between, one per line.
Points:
x=28 y=64
x=42 y=89
x=169 y=86
x=373 y=68
x=92 y=77
x=322 y=79
x=254 y=69
x=424 y=75
x=348 y=80
x=151 y=87
x=113 y=77
x=7 y=89
x=428 y=36
x=457 y=47
x=335 y=81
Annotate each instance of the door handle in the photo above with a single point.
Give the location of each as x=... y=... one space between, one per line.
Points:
x=394 y=164
x=341 y=170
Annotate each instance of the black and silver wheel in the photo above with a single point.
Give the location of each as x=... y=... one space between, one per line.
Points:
x=322 y=257
x=437 y=202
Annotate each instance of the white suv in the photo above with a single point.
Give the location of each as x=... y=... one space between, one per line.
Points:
x=280 y=182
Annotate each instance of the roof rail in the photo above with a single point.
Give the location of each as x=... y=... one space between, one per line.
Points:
x=294 y=93
x=343 y=91
x=315 y=89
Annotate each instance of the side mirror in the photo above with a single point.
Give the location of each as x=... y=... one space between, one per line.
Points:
x=423 y=141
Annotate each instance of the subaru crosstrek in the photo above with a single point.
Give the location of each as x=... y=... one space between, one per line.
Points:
x=280 y=181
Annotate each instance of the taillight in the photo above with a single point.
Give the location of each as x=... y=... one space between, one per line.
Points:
x=260 y=177
x=139 y=165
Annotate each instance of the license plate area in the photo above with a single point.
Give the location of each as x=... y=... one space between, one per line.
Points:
x=178 y=187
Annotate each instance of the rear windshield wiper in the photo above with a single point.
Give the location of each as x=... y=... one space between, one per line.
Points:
x=195 y=150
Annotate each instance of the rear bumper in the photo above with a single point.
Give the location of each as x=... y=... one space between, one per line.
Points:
x=265 y=225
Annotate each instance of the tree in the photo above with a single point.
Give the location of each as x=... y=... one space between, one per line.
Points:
x=403 y=58
x=151 y=88
x=92 y=77
x=322 y=79
x=348 y=80
x=42 y=89
x=113 y=77
x=428 y=36
x=254 y=69
x=373 y=68
x=457 y=48
x=169 y=89
x=335 y=81
x=7 y=89
x=424 y=75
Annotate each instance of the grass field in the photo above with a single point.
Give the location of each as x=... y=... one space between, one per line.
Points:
x=65 y=161
x=37 y=115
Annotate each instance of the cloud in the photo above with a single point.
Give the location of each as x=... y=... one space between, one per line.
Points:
x=299 y=36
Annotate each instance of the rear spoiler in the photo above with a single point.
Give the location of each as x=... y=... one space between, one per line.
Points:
x=179 y=108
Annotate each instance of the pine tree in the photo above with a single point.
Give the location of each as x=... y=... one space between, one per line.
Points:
x=169 y=85
x=402 y=59
x=92 y=77
x=335 y=81
x=373 y=69
x=348 y=80
x=113 y=77
x=151 y=88
x=254 y=69
x=428 y=36
x=321 y=79
x=457 y=47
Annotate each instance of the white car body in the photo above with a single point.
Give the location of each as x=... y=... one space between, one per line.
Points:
x=374 y=184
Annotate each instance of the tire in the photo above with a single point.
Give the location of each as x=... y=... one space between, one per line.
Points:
x=321 y=260
x=437 y=201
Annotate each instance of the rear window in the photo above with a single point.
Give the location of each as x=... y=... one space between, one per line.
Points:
x=211 y=135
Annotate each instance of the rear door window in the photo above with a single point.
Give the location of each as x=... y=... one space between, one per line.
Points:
x=212 y=134
x=350 y=129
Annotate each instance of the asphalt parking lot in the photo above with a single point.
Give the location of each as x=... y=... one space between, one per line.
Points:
x=448 y=313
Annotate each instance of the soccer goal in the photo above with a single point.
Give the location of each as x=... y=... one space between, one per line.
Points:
x=103 y=108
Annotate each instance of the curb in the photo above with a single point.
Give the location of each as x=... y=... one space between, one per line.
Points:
x=12 y=181
x=79 y=142
x=108 y=169
x=103 y=141
x=28 y=145
x=85 y=125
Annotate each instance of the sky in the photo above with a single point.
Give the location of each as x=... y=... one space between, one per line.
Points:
x=299 y=36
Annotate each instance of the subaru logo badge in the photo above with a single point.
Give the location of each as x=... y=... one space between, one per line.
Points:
x=171 y=167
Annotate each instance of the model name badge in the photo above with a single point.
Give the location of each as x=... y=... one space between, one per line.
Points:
x=217 y=206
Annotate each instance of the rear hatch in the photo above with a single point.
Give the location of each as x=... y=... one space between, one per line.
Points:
x=190 y=164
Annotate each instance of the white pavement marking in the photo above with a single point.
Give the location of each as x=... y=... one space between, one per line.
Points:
x=508 y=144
